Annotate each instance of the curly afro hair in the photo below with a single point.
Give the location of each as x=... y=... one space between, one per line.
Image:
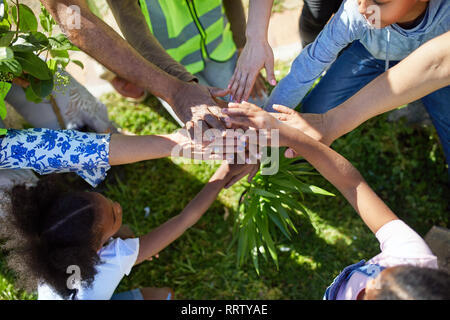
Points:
x=46 y=231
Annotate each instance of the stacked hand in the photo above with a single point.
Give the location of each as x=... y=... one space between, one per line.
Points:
x=249 y=115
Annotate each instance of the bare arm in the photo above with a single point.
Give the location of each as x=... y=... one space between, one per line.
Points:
x=134 y=27
x=102 y=43
x=257 y=53
x=344 y=176
x=426 y=70
x=159 y=238
x=129 y=149
x=329 y=163
x=234 y=11
x=189 y=100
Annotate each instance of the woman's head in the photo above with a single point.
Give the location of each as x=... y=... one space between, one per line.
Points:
x=409 y=283
x=49 y=230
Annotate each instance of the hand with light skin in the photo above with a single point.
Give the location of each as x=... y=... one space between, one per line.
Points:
x=256 y=54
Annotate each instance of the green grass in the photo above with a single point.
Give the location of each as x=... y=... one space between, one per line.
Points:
x=405 y=166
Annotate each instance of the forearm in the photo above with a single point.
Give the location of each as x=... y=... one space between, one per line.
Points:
x=102 y=43
x=129 y=149
x=161 y=237
x=134 y=27
x=345 y=177
x=258 y=20
x=234 y=11
x=426 y=70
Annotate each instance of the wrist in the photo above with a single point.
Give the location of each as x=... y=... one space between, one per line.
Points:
x=177 y=87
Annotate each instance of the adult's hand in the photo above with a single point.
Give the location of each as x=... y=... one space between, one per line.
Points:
x=256 y=55
x=199 y=104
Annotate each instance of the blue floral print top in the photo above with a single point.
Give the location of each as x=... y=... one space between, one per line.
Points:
x=49 y=151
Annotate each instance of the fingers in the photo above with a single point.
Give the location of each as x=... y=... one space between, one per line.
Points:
x=235 y=85
x=283 y=109
x=290 y=153
x=249 y=87
x=253 y=173
x=218 y=92
x=242 y=88
x=270 y=72
x=213 y=122
x=236 y=178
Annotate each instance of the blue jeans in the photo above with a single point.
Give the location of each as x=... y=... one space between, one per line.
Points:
x=352 y=71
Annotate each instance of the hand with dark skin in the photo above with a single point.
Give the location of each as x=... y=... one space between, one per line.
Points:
x=189 y=100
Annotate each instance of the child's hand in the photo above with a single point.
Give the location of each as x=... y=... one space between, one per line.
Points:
x=232 y=173
x=248 y=115
x=313 y=125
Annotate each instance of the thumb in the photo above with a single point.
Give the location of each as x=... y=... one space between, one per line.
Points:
x=270 y=72
x=283 y=109
x=218 y=92
x=290 y=153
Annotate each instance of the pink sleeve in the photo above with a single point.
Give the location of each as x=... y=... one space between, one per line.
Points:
x=401 y=245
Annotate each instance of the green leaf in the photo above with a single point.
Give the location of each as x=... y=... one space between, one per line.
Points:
x=31 y=96
x=242 y=246
x=307 y=188
x=33 y=65
x=60 y=42
x=78 y=63
x=6 y=38
x=5 y=23
x=8 y=63
x=27 y=21
x=4 y=89
x=42 y=88
x=264 y=193
x=284 y=215
x=36 y=38
x=280 y=224
x=3 y=131
x=6 y=53
x=61 y=57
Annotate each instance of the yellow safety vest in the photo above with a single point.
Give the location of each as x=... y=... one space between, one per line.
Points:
x=190 y=30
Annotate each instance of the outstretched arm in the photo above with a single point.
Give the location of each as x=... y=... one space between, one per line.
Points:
x=189 y=100
x=159 y=238
x=329 y=163
x=425 y=70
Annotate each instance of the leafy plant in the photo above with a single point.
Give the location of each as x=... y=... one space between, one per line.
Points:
x=27 y=54
x=266 y=209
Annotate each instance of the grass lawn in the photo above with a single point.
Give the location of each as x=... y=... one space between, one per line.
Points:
x=405 y=166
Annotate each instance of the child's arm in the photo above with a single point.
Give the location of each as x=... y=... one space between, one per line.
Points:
x=426 y=70
x=159 y=238
x=329 y=163
x=346 y=26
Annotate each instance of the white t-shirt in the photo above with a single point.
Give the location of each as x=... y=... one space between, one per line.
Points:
x=400 y=245
x=117 y=258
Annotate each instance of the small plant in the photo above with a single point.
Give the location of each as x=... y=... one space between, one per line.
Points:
x=266 y=208
x=29 y=56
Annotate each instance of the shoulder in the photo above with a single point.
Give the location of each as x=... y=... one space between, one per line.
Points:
x=400 y=244
x=120 y=253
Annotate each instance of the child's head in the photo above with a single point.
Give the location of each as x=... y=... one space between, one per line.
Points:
x=391 y=11
x=48 y=230
x=409 y=283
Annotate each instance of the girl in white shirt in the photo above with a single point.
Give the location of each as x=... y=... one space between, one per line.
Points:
x=62 y=241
